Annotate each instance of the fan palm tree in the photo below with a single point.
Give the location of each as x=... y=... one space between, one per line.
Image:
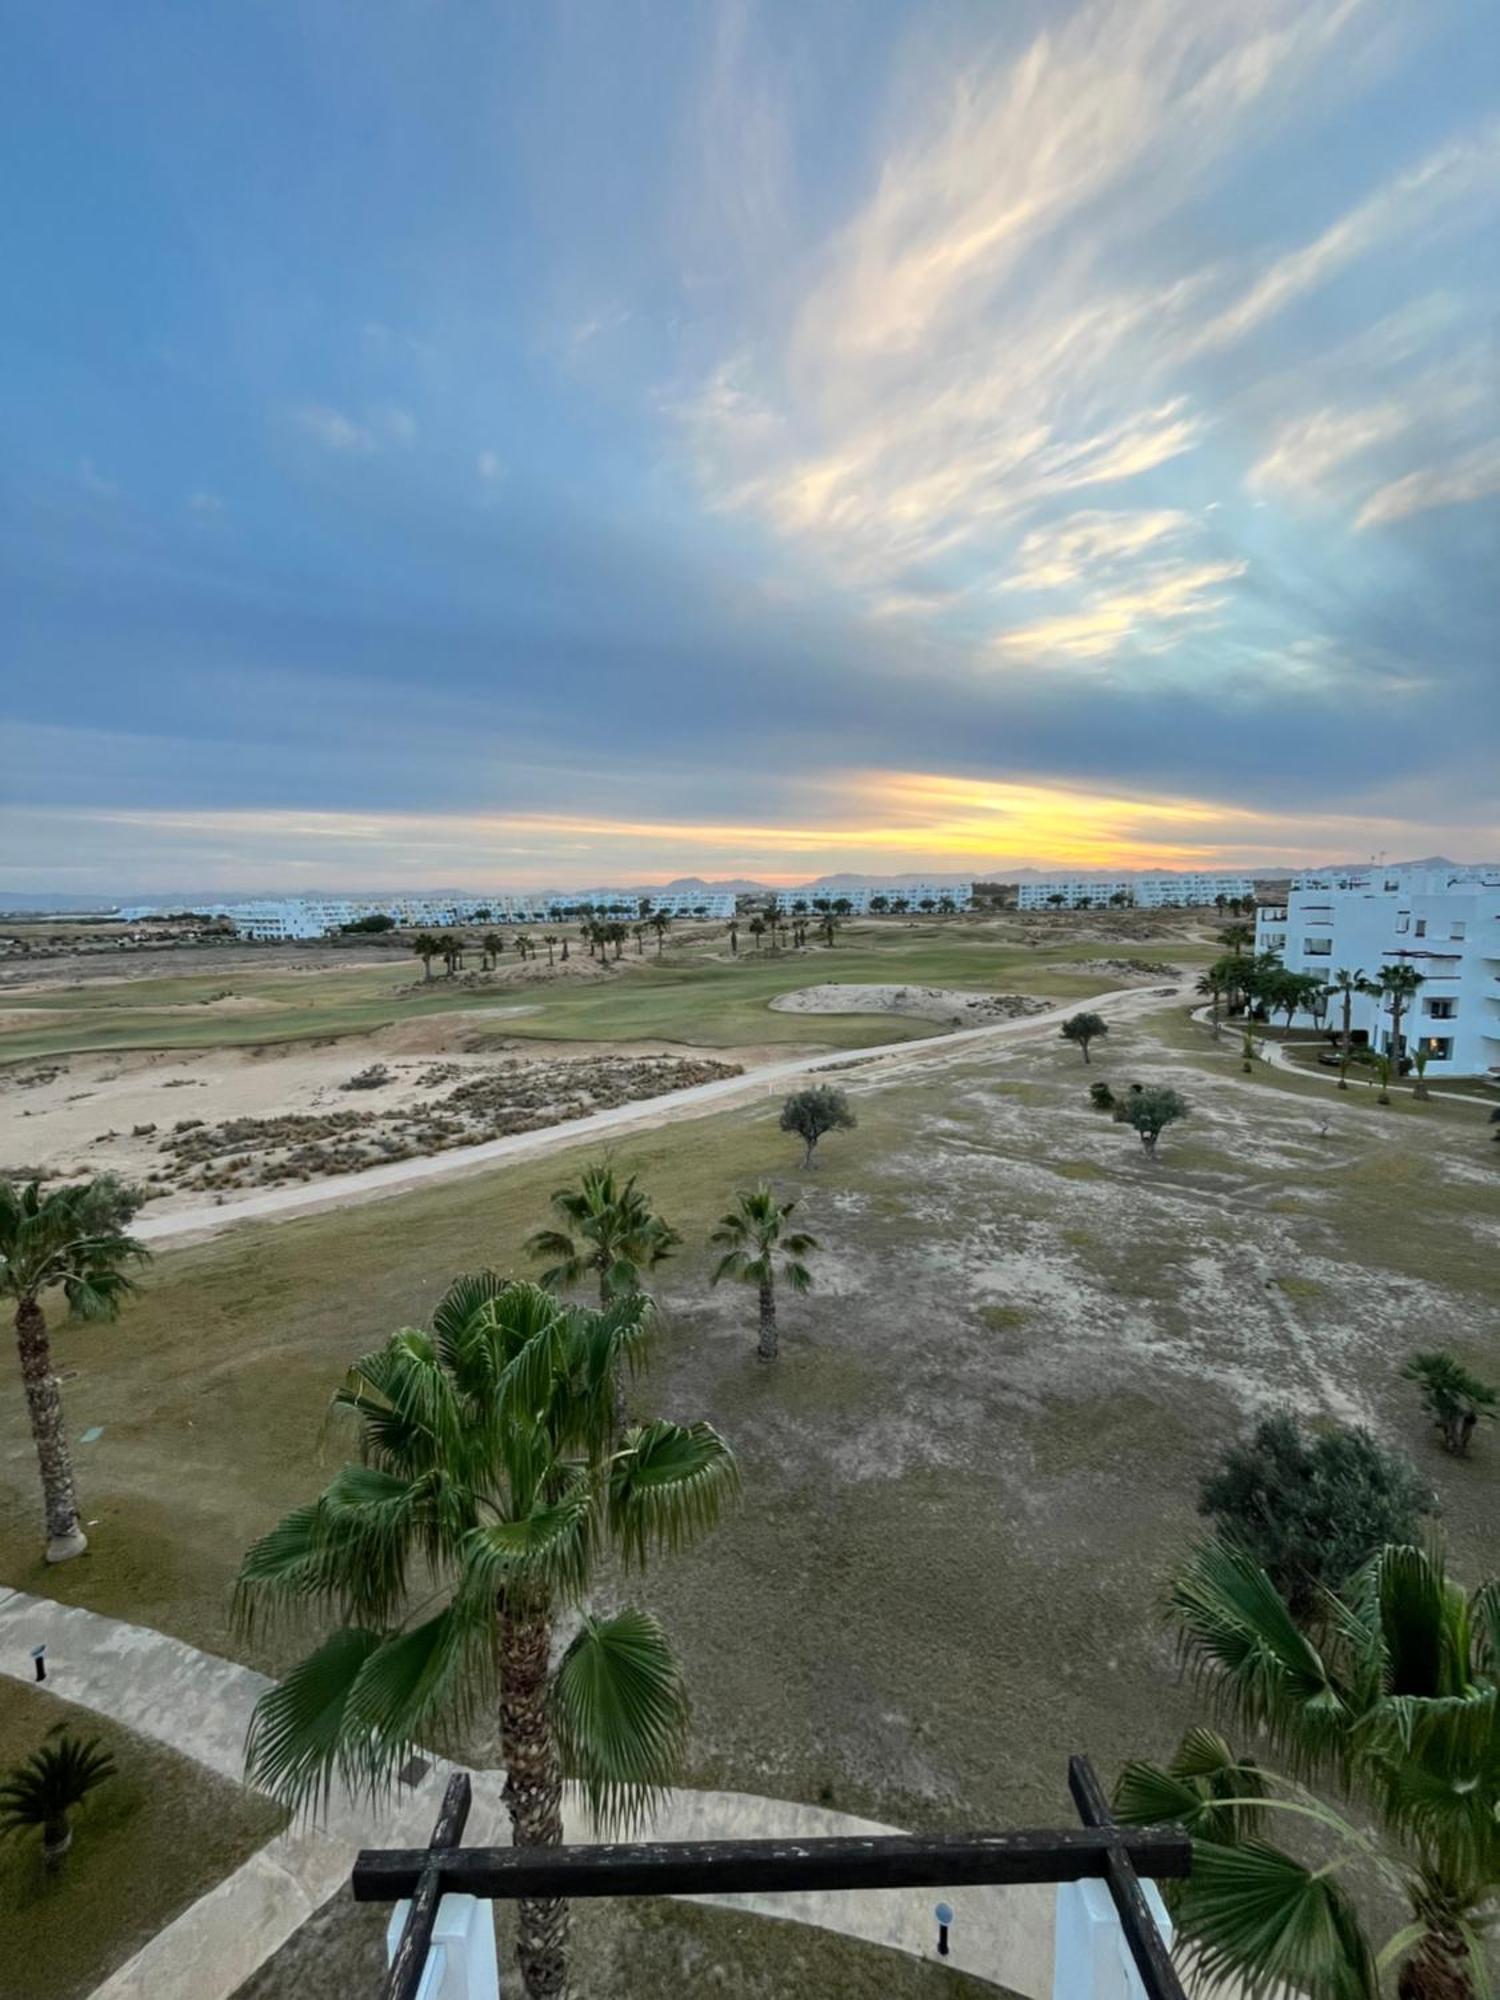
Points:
x=661 y=923
x=1400 y=985
x=40 y=1794
x=487 y=1481
x=1343 y=987
x=757 y=929
x=494 y=944
x=751 y=1235
x=427 y=948
x=74 y=1239
x=1397 y=1704
x=1212 y=986
x=615 y=1235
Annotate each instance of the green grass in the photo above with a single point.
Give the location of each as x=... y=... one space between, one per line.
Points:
x=694 y=994
x=146 y=1844
x=978 y=1457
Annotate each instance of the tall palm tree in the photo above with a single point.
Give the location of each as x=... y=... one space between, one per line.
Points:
x=74 y=1239
x=751 y=1235
x=1400 y=985
x=427 y=948
x=494 y=944
x=1343 y=986
x=488 y=1484
x=1212 y=985
x=1396 y=1703
x=661 y=923
x=757 y=929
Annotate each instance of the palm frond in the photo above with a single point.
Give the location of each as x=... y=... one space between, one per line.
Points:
x=300 y=1738
x=668 y=1484
x=1254 y=1918
x=1238 y=1630
x=621 y=1715
x=544 y=1550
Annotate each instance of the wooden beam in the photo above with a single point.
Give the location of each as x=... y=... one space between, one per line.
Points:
x=1147 y=1945
x=426 y=1892
x=769 y=1867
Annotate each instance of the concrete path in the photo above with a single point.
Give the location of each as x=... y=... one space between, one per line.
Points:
x=643 y=1114
x=1276 y=1054
x=199 y=1705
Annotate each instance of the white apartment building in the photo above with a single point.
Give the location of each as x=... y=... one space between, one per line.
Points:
x=914 y=898
x=1444 y=923
x=1145 y=892
x=278 y=919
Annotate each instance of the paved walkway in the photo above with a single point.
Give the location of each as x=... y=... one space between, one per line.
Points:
x=199 y=1705
x=1276 y=1053
x=644 y=1114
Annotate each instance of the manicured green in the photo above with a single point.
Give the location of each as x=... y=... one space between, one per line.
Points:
x=696 y=993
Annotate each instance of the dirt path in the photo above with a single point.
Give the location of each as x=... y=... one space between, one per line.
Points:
x=191 y=1224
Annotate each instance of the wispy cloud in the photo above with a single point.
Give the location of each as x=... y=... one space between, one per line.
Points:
x=333 y=430
x=1166 y=595
x=1475 y=475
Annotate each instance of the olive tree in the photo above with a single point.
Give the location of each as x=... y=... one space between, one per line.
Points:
x=1149 y=1109
x=1083 y=1029
x=812 y=1112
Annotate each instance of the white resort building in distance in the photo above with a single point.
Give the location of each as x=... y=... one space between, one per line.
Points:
x=283 y=918
x=1444 y=923
x=1144 y=892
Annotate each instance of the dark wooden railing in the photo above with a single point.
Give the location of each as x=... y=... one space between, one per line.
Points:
x=1119 y=1856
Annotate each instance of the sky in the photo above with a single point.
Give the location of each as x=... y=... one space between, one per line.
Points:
x=451 y=443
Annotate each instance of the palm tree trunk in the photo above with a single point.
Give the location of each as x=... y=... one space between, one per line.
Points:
x=44 y=1404
x=1344 y=1042
x=533 y=1790
x=766 y=1346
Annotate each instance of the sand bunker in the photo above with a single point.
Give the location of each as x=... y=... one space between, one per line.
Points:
x=924 y=1003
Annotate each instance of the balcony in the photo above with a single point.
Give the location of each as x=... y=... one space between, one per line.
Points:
x=1110 y=1936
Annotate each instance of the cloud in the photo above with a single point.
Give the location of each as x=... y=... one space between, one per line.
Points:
x=1061 y=554
x=1167 y=594
x=965 y=358
x=1473 y=476
x=1305 y=452
x=333 y=430
x=205 y=503
x=1450 y=180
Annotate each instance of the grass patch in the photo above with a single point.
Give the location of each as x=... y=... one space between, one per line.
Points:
x=150 y=1841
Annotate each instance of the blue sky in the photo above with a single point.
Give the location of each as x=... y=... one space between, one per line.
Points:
x=460 y=443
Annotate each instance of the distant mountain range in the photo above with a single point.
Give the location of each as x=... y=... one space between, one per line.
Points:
x=44 y=904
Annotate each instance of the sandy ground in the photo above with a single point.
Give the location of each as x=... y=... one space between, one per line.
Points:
x=924 y=1003
x=189 y=1221
x=73 y=1116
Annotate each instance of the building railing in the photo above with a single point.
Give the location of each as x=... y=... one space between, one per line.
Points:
x=1123 y=1859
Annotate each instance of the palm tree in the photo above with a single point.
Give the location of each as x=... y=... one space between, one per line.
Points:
x=427 y=948
x=734 y=938
x=73 y=1238
x=757 y=929
x=615 y=1236
x=750 y=1236
x=1455 y=1400
x=39 y=1794
x=1399 y=984
x=1395 y=1703
x=488 y=1481
x=1211 y=985
x=638 y=932
x=1344 y=985
x=494 y=944
x=661 y=923
x=1237 y=936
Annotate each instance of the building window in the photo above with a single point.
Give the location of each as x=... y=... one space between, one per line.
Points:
x=1441 y=1010
x=1317 y=947
x=1421 y=930
x=1439 y=1047
x=1455 y=930
x=1403 y=922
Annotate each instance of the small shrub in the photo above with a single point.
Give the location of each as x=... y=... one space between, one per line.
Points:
x=1101 y=1096
x=1456 y=1401
x=1149 y=1110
